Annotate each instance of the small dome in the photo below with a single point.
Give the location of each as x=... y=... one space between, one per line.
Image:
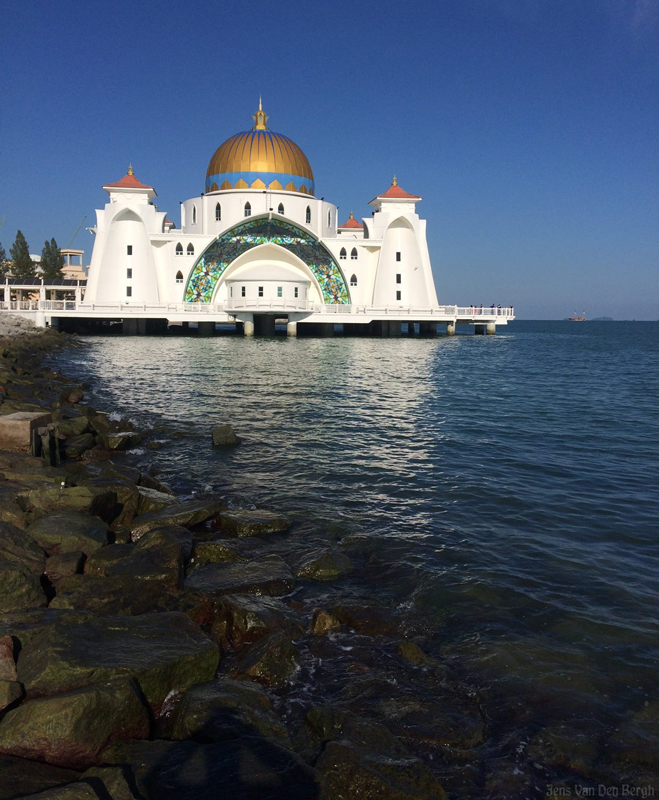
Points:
x=260 y=159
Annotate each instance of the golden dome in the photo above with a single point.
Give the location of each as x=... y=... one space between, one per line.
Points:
x=259 y=159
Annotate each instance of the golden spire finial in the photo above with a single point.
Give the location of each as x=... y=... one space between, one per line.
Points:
x=130 y=169
x=395 y=181
x=352 y=216
x=260 y=119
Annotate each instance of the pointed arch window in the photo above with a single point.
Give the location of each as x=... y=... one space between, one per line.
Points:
x=194 y=215
x=353 y=280
x=343 y=253
x=248 y=210
x=179 y=277
x=308 y=217
x=190 y=249
x=280 y=209
x=353 y=254
x=218 y=212
x=179 y=249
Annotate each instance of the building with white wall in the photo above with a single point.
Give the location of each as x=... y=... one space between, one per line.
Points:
x=258 y=243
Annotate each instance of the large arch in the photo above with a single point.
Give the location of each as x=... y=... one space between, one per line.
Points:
x=215 y=259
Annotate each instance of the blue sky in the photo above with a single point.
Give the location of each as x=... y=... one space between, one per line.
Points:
x=530 y=127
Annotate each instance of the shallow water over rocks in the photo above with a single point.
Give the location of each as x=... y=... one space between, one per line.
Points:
x=496 y=494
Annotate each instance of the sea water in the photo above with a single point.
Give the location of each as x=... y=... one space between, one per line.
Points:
x=506 y=485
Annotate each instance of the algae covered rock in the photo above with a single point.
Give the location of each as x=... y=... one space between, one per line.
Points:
x=164 y=652
x=18 y=550
x=7 y=660
x=22 y=778
x=244 y=618
x=227 y=709
x=113 y=595
x=225 y=436
x=122 y=440
x=69 y=531
x=72 y=728
x=75 y=446
x=185 y=514
x=323 y=565
x=10 y=692
x=216 y=552
x=63 y=565
x=271 y=661
x=153 y=500
x=96 y=501
x=366 y=618
x=268 y=575
x=323 y=622
x=253 y=523
x=72 y=791
x=242 y=768
x=109 y=782
x=20 y=588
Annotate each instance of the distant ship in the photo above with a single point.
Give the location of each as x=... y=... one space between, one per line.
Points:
x=578 y=317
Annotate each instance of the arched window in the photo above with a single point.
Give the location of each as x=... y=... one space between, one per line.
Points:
x=280 y=209
x=308 y=219
x=218 y=212
x=353 y=280
x=179 y=249
x=179 y=277
x=190 y=249
x=329 y=219
x=248 y=210
x=353 y=254
x=194 y=215
x=342 y=254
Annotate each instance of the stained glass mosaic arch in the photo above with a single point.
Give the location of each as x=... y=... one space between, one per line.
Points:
x=213 y=262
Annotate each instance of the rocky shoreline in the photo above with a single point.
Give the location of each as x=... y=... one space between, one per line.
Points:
x=163 y=646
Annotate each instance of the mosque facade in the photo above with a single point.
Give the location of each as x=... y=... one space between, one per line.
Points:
x=258 y=239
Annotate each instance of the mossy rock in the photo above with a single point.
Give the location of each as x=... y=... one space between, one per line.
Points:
x=253 y=523
x=240 y=768
x=268 y=575
x=70 y=531
x=152 y=500
x=22 y=778
x=323 y=565
x=89 y=719
x=244 y=618
x=271 y=661
x=185 y=514
x=227 y=709
x=164 y=652
x=216 y=552
x=91 y=500
x=121 y=440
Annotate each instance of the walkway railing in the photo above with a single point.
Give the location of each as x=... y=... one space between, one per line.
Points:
x=239 y=305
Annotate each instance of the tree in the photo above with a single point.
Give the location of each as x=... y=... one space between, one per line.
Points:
x=52 y=260
x=22 y=266
x=4 y=264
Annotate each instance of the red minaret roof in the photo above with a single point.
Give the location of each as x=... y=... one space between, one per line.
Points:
x=352 y=223
x=129 y=181
x=394 y=192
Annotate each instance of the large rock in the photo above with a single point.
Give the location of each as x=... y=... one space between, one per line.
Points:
x=153 y=500
x=109 y=782
x=96 y=501
x=10 y=692
x=7 y=660
x=104 y=559
x=244 y=618
x=22 y=778
x=75 y=426
x=22 y=563
x=122 y=440
x=127 y=497
x=227 y=709
x=359 y=758
x=19 y=550
x=636 y=741
x=87 y=720
x=268 y=575
x=323 y=565
x=217 y=552
x=366 y=618
x=114 y=595
x=164 y=652
x=253 y=523
x=63 y=565
x=24 y=625
x=75 y=446
x=225 y=436
x=241 y=769
x=185 y=514
x=69 y=531
x=271 y=661
x=72 y=791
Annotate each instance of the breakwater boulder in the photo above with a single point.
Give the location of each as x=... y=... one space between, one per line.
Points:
x=88 y=720
x=225 y=436
x=268 y=575
x=241 y=522
x=164 y=653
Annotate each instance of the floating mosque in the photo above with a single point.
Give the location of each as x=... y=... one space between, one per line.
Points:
x=257 y=246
